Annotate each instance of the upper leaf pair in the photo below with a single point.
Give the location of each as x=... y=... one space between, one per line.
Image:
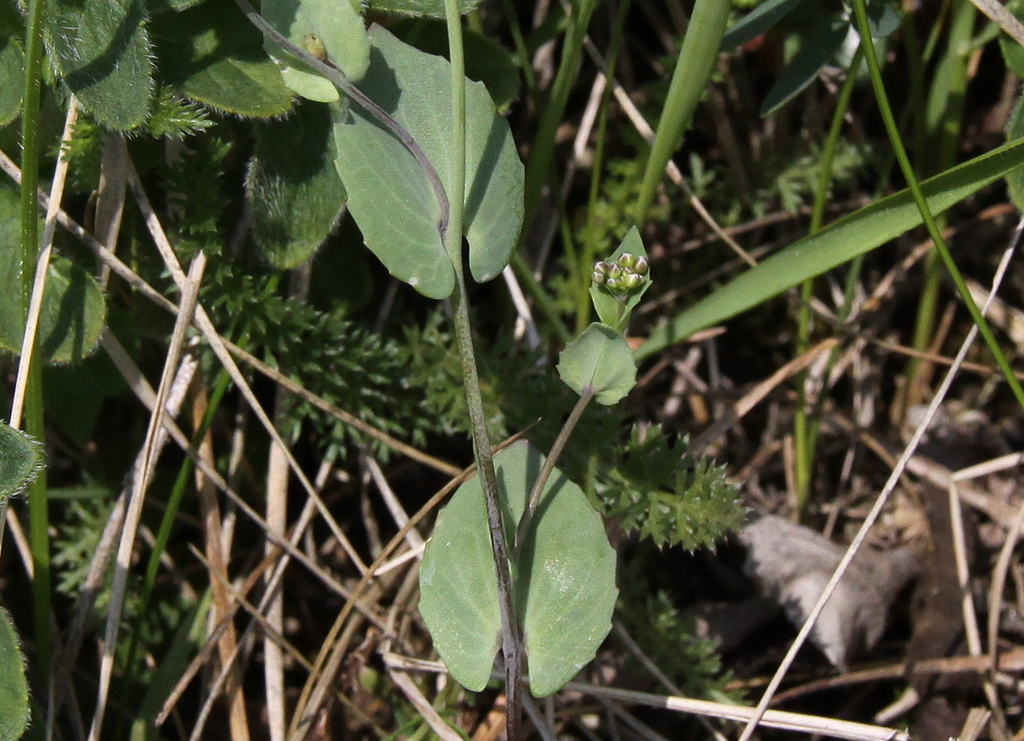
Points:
x=390 y=194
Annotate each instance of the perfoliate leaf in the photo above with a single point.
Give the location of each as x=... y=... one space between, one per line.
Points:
x=391 y=198
x=486 y=60
x=564 y=580
x=102 y=51
x=599 y=361
x=293 y=186
x=609 y=309
x=331 y=26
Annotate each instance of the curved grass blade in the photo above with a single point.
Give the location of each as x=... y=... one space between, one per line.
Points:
x=842 y=241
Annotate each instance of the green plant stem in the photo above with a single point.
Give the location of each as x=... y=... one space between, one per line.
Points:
x=345 y=87
x=697 y=57
x=590 y=251
x=538 y=169
x=511 y=635
x=519 y=41
x=549 y=465
x=164 y=535
x=540 y=296
x=942 y=123
x=805 y=426
x=38 y=506
x=860 y=12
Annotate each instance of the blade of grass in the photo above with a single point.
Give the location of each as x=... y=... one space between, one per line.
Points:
x=840 y=242
x=37 y=505
x=805 y=428
x=538 y=168
x=697 y=57
x=942 y=123
x=141 y=474
x=861 y=13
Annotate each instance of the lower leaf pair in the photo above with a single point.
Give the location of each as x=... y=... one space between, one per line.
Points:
x=564 y=578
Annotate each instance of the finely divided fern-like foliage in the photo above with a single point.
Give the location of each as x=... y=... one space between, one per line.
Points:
x=331 y=356
x=661 y=493
x=175 y=117
x=651 y=617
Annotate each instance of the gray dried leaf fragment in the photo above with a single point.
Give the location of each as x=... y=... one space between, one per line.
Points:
x=793 y=564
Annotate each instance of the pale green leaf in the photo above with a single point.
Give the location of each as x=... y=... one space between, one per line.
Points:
x=391 y=198
x=458 y=587
x=333 y=25
x=14 y=707
x=840 y=242
x=599 y=361
x=293 y=186
x=486 y=60
x=883 y=20
x=102 y=51
x=565 y=579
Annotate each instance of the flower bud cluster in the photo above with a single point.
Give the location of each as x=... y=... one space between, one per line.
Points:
x=623 y=276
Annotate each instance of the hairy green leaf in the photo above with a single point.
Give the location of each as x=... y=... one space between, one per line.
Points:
x=176 y=117
x=653 y=488
x=102 y=51
x=293 y=186
x=390 y=196
x=73 y=307
x=14 y=708
x=564 y=580
x=20 y=460
x=215 y=56
x=12 y=72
